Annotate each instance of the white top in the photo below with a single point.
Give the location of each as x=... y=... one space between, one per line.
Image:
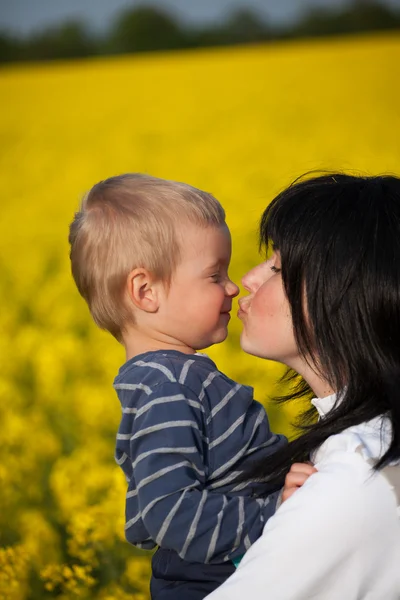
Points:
x=337 y=537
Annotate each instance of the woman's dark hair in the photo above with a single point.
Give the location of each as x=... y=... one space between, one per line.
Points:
x=339 y=240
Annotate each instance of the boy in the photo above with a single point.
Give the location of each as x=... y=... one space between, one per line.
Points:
x=151 y=259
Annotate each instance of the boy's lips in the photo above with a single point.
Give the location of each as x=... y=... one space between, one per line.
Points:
x=226 y=313
x=227 y=310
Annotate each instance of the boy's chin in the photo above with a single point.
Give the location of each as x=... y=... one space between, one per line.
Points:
x=216 y=338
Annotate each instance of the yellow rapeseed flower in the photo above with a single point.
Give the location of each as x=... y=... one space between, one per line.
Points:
x=238 y=122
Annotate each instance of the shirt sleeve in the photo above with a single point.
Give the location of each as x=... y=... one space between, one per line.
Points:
x=169 y=451
x=311 y=547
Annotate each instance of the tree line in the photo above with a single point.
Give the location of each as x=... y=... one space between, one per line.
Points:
x=146 y=29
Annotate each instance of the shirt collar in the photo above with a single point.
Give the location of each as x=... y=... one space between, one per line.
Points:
x=324 y=405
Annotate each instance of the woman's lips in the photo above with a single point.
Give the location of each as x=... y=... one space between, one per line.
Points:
x=243 y=308
x=241 y=313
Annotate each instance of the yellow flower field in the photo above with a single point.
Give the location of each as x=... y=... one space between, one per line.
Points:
x=241 y=123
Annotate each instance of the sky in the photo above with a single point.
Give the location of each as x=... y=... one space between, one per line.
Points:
x=27 y=16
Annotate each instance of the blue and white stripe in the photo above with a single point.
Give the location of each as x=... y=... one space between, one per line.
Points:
x=186 y=435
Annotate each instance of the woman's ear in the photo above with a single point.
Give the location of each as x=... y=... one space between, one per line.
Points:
x=143 y=290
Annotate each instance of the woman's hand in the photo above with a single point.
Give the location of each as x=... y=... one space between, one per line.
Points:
x=298 y=474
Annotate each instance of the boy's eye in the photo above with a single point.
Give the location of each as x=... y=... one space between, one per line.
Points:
x=216 y=277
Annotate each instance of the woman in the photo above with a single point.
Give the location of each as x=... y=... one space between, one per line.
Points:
x=327 y=304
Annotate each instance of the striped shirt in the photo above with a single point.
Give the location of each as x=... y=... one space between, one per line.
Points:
x=187 y=433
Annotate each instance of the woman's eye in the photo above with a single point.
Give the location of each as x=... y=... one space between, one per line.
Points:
x=275 y=269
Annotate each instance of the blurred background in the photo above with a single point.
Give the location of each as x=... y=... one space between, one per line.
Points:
x=235 y=97
x=47 y=29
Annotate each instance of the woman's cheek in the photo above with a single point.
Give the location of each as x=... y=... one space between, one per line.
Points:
x=267 y=302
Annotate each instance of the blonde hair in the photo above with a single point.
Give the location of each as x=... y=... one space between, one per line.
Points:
x=126 y=222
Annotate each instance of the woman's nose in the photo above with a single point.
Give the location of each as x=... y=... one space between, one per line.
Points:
x=248 y=280
x=251 y=280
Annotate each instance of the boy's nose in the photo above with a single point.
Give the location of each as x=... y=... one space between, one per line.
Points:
x=232 y=289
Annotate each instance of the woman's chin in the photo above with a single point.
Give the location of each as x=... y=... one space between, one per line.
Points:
x=246 y=345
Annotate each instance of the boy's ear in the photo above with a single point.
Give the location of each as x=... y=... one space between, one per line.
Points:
x=143 y=290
